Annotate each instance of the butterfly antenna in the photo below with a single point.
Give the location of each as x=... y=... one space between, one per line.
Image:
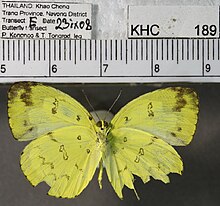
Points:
x=87 y=99
x=113 y=104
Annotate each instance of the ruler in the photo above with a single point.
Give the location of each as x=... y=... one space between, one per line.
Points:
x=148 y=56
x=145 y=60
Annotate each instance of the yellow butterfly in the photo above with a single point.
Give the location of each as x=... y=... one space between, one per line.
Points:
x=68 y=144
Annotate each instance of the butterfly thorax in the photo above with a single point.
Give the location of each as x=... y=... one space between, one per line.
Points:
x=102 y=129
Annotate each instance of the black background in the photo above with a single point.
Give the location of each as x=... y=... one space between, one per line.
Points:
x=199 y=184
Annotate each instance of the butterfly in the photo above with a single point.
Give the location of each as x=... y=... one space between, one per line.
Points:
x=68 y=145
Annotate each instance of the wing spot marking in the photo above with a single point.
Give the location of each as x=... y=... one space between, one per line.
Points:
x=159 y=166
x=66 y=176
x=179 y=129
x=30 y=129
x=44 y=162
x=63 y=150
x=26 y=97
x=54 y=109
x=26 y=86
x=88 y=151
x=141 y=152
x=150 y=109
x=173 y=134
x=52 y=174
x=25 y=123
x=49 y=133
x=127 y=119
x=180 y=101
x=53 y=139
x=137 y=159
x=125 y=139
x=79 y=137
x=78 y=118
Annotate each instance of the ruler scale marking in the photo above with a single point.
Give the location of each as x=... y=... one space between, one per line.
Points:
x=29 y=50
x=95 y=49
x=24 y=51
x=106 y=48
x=172 y=50
x=121 y=50
x=13 y=53
x=54 y=47
x=218 y=50
x=203 y=56
x=193 y=49
x=65 y=50
x=213 y=50
x=44 y=50
x=146 y=44
x=116 y=49
x=85 y=44
x=157 y=54
x=126 y=51
x=131 y=46
x=100 y=58
x=70 y=50
x=152 y=56
x=3 y=50
x=177 y=51
x=59 y=50
x=34 y=50
x=75 y=55
x=142 y=50
x=182 y=49
x=49 y=69
x=90 y=50
x=187 y=49
x=198 y=50
x=136 y=43
x=39 y=50
x=19 y=49
x=80 y=49
x=208 y=50
x=8 y=55
x=111 y=50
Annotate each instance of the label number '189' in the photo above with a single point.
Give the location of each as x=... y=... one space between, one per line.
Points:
x=206 y=30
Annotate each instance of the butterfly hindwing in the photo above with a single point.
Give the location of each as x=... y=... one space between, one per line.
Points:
x=35 y=109
x=132 y=151
x=169 y=114
x=66 y=159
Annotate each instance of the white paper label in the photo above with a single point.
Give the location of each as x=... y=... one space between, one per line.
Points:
x=173 y=21
x=34 y=20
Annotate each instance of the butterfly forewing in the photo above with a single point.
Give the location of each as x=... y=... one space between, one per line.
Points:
x=169 y=114
x=35 y=109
